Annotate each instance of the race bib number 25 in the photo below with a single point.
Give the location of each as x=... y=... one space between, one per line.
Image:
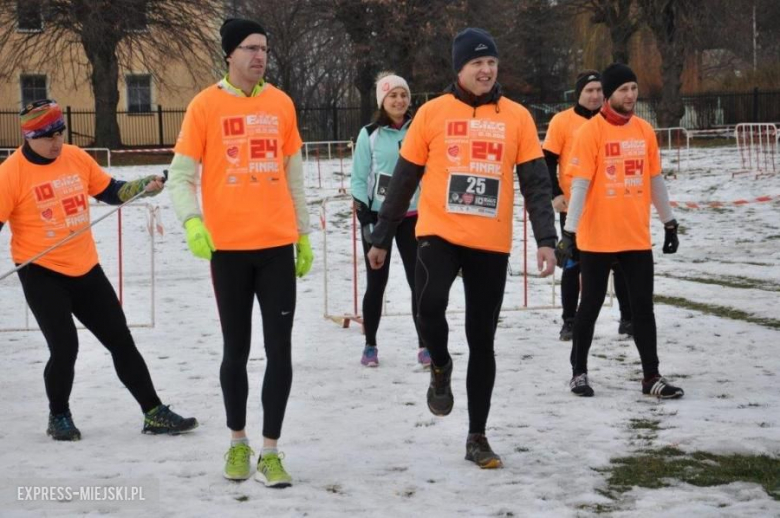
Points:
x=473 y=195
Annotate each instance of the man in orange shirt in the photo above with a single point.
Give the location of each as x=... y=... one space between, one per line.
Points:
x=244 y=131
x=465 y=146
x=616 y=174
x=557 y=150
x=44 y=195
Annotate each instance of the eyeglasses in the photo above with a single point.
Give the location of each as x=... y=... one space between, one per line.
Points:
x=253 y=49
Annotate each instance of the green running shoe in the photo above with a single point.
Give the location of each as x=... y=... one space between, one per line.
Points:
x=237 y=462
x=271 y=472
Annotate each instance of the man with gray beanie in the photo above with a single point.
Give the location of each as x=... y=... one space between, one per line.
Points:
x=615 y=170
x=465 y=147
x=253 y=230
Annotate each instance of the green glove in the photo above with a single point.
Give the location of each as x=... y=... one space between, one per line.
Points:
x=132 y=188
x=199 y=239
x=304 y=257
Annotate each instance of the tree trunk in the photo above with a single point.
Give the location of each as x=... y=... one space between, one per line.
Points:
x=669 y=20
x=620 y=36
x=364 y=82
x=105 y=85
x=671 y=108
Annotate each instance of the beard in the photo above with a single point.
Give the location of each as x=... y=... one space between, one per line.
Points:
x=621 y=110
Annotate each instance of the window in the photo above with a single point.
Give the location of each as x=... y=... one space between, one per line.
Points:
x=33 y=88
x=29 y=16
x=139 y=93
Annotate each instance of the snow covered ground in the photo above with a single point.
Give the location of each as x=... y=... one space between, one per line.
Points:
x=361 y=442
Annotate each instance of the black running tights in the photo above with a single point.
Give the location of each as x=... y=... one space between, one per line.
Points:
x=637 y=267
x=239 y=277
x=484 y=278
x=376 y=280
x=55 y=299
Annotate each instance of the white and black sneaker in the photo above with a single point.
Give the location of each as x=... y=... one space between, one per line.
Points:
x=579 y=386
x=658 y=386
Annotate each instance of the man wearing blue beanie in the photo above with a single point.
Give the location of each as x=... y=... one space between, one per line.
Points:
x=465 y=147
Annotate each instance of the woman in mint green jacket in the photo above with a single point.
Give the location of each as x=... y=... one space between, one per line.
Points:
x=376 y=153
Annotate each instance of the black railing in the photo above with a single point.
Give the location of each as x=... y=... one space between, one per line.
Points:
x=159 y=128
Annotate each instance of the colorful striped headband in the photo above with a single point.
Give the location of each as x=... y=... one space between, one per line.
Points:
x=42 y=119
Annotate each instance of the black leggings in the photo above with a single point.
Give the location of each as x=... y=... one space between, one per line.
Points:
x=55 y=299
x=239 y=277
x=570 y=288
x=484 y=278
x=376 y=280
x=638 y=269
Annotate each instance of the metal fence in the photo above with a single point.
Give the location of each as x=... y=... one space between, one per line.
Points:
x=159 y=128
x=702 y=111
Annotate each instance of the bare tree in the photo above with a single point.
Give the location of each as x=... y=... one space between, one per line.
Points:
x=112 y=35
x=621 y=17
x=411 y=37
x=673 y=23
x=309 y=53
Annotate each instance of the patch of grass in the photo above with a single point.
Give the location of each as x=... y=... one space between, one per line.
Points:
x=729 y=282
x=719 y=311
x=656 y=468
x=645 y=424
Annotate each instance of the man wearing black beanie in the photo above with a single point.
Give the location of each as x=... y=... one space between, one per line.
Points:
x=253 y=230
x=466 y=146
x=615 y=167
x=557 y=150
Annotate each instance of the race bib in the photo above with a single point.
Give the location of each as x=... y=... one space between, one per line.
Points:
x=382 y=183
x=473 y=195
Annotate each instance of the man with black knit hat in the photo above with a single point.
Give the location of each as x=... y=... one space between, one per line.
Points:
x=253 y=230
x=557 y=150
x=465 y=147
x=615 y=168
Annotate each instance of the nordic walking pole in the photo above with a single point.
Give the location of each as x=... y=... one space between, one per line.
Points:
x=78 y=232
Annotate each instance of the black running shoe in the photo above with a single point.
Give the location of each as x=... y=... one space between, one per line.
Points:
x=567 y=330
x=579 y=385
x=162 y=419
x=479 y=452
x=440 y=400
x=658 y=386
x=61 y=428
x=626 y=327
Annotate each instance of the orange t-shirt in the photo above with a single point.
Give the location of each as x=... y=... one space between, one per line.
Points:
x=46 y=203
x=559 y=139
x=242 y=142
x=619 y=162
x=467 y=191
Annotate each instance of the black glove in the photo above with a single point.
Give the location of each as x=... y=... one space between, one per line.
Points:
x=364 y=215
x=566 y=249
x=670 y=239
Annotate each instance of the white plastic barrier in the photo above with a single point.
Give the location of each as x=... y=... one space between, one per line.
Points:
x=327 y=165
x=134 y=283
x=675 y=146
x=757 y=144
x=344 y=271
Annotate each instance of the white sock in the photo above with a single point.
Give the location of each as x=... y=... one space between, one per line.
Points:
x=242 y=440
x=267 y=451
